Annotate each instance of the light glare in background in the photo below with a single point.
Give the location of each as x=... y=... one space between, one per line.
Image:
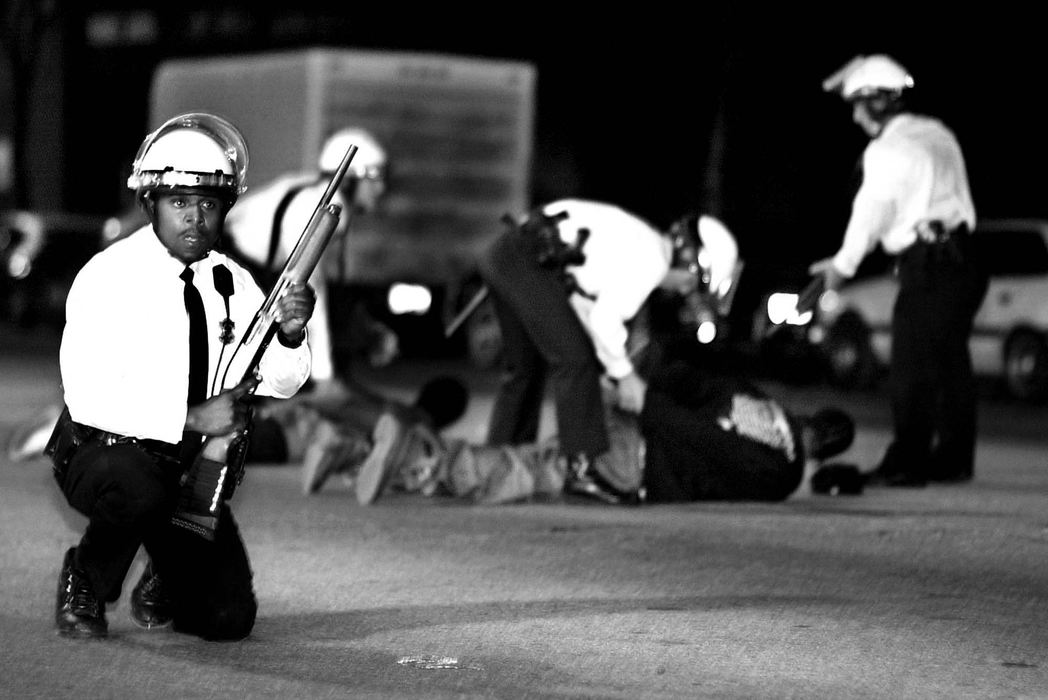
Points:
x=409 y=299
x=782 y=308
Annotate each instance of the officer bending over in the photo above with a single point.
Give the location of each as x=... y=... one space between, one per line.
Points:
x=565 y=282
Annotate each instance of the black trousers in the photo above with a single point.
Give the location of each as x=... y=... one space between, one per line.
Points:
x=542 y=338
x=128 y=497
x=933 y=392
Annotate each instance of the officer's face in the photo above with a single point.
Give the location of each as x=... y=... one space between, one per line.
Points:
x=862 y=116
x=368 y=194
x=682 y=282
x=188 y=223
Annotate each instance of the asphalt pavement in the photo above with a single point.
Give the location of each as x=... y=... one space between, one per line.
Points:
x=939 y=592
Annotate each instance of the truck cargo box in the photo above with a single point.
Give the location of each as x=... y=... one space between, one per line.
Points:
x=458 y=131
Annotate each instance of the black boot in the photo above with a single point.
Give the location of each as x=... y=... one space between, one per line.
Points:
x=78 y=611
x=150 y=605
x=581 y=478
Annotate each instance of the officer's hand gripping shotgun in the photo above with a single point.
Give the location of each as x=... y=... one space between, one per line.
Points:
x=219 y=467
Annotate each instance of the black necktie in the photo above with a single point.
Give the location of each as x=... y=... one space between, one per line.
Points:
x=197 y=340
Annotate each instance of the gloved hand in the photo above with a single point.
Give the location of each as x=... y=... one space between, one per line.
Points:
x=826 y=269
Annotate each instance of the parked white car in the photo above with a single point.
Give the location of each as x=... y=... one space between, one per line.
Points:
x=1010 y=335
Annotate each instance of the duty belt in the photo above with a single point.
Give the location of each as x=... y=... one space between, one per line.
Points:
x=935 y=231
x=936 y=244
x=156 y=447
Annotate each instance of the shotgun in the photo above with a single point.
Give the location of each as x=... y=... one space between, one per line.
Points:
x=218 y=468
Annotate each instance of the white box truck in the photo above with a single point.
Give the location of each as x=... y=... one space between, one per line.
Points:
x=458 y=130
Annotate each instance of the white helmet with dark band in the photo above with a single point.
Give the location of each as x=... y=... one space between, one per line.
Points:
x=192 y=151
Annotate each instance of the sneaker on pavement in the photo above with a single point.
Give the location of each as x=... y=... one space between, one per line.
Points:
x=422 y=463
x=330 y=452
x=388 y=445
x=79 y=613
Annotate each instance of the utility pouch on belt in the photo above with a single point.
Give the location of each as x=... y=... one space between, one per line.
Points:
x=542 y=235
x=66 y=439
x=550 y=250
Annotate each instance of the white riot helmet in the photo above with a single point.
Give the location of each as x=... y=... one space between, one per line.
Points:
x=868 y=76
x=703 y=245
x=369 y=163
x=195 y=150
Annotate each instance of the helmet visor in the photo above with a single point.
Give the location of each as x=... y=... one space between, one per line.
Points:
x=222 y=132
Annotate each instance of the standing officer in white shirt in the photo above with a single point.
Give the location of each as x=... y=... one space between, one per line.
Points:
x=565 y=282
x=141 y=394
x=914 y=201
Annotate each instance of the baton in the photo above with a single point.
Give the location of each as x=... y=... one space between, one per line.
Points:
x=466 y=312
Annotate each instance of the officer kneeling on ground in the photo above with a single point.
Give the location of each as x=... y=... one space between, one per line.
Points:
x=153 y=325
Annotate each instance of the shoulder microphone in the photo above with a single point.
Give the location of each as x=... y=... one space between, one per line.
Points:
x=223 y=281
x=224 y=286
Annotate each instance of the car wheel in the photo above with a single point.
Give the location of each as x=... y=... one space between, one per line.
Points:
x=848 y=356
x=1026 y=367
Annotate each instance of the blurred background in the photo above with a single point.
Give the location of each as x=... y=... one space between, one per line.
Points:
x=664 y=112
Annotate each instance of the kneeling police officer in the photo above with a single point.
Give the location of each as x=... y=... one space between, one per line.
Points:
x=153 y=325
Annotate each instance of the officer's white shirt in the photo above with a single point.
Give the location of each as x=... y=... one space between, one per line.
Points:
x=915 y=166
x=626 y=259
x=250 y=224
x=124 y=354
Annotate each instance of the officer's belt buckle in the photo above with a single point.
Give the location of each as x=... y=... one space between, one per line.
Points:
x=109 y=439
x=932 y=232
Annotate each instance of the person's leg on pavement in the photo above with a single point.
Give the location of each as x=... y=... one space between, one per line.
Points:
x=125 y=494
x=488 y=474
x=360 y=436
x=208 y=583
x=917 y=329
x=342 y=436
x=542 y=314
x=953 y=457
x=517 y=409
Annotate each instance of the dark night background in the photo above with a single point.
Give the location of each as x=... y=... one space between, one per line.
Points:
x=638 y=106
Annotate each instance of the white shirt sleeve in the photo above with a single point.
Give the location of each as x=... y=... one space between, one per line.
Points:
x=874 y=208
x=605 y=320
x=626 y=259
